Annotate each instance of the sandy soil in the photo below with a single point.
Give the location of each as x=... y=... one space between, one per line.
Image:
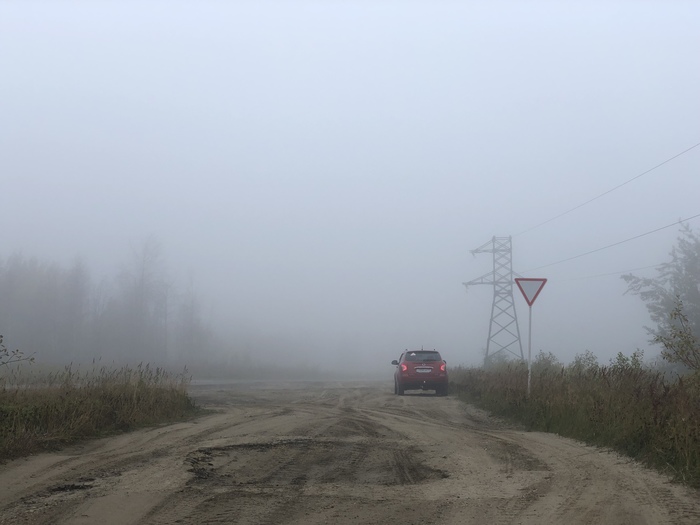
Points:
x=337 y=453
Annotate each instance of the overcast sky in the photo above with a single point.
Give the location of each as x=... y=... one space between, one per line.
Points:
x=323 y=168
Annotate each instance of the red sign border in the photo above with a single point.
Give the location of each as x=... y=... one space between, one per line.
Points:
x=542 y=280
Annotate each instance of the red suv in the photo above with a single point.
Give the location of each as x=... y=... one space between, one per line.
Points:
x=420 y=370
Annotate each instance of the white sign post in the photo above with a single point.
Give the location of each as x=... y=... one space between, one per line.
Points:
x=530 y=289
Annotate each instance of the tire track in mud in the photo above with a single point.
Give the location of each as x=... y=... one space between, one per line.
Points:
x=105 y=468
x=294 y=492
x=623 y=490
x=315 y=454
x=333 y=445
x=137 y=448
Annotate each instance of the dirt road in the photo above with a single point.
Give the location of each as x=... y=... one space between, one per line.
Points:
x=337 y=453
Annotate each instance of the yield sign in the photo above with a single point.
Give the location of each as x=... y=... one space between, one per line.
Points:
x=530 y=288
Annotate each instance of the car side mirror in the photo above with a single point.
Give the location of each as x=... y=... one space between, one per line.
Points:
x=394 y=362
x=444 y=361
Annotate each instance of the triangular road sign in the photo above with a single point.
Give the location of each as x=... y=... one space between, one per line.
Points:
x=530 y=288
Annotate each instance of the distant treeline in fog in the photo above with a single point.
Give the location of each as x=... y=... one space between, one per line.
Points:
x=60 y=314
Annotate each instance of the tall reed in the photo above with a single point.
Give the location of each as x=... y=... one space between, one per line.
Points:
x=631 y=409
x=39 y=412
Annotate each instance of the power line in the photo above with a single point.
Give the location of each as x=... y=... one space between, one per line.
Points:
x=615 y=243
x=613 y=273
x=610 y=190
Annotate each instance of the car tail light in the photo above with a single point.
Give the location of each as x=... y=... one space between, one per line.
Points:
x=404 y=368
x=443 y=367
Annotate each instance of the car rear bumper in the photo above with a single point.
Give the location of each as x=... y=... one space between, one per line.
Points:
x=423 y=384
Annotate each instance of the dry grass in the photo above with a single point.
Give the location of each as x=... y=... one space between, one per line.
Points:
x=630 y=409
x=40 y=412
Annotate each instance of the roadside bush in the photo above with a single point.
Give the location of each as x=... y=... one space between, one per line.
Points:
x=624 y=406
x=583 y=362
x=43 y=412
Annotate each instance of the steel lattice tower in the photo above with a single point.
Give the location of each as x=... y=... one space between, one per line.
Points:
x=504 y=333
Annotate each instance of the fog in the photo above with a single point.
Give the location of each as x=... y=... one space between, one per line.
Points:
x=315 y=174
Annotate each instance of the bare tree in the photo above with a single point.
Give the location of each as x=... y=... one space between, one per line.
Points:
x=9 y=357
x=144 y=302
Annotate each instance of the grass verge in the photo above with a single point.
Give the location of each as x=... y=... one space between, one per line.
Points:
x=42 y=413
x=632 y=410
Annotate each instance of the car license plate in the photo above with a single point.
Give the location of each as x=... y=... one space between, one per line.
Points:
x=424 y=370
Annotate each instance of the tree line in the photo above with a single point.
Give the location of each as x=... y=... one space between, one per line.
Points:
x=60 y=313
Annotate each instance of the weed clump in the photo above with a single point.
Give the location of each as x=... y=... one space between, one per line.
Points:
x=634 y=410
x=44 y=412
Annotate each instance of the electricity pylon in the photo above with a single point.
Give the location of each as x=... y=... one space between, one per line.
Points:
x=504 y=333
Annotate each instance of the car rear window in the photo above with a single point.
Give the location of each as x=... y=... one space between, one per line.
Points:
x=421 y=355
